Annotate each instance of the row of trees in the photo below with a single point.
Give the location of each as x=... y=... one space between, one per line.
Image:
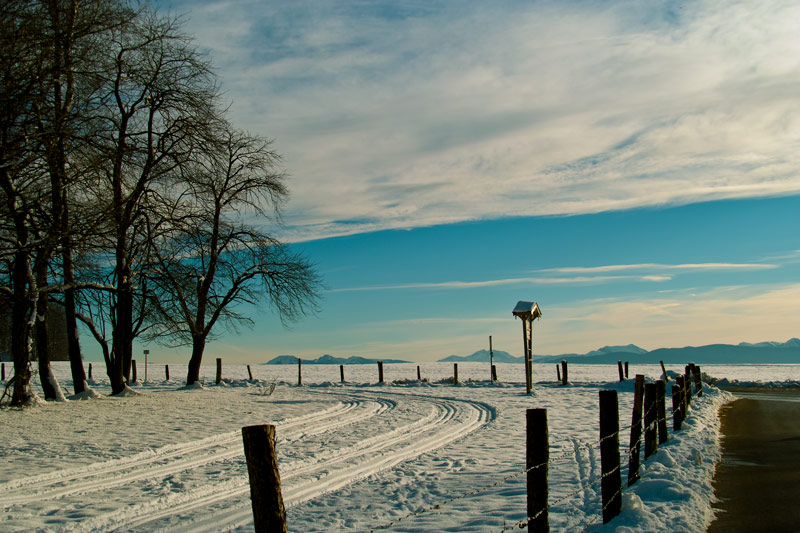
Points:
x=126 y=195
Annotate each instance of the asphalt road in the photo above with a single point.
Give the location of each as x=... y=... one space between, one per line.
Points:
x=758 y=479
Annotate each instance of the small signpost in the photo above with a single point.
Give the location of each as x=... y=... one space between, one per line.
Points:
x=528 y=312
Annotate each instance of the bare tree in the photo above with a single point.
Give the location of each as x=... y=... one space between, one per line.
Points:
x=208 y=261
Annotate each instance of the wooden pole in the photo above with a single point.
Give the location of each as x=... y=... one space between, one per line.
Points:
x=299 y=371
x=494 y=373
x=341 y=373
x=380 y=371
x=611 y=484
x=636 y=430
x=698 y=380
x=166 y=372
x=455 y=373
x=219 y=369
x=664 y=371
x=269 y=514
x=537 y=456
x=558 y=372
x=249 y=373
x=564 y=373
x=3 y=373
x=661 y=411
x=419 y=375
x=650 y=420
x=90 y=370
x=621 y=371
x=677 y=403
x=626 y=370
x=133 y=371
x=491 y=360
x=525 y=356
x=687 y=384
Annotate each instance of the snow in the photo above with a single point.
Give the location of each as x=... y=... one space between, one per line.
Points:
x=407 y=455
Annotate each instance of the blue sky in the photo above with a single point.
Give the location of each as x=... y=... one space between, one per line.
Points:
x=631 y=166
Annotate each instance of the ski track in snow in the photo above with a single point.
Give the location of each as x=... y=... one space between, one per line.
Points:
x=326 y=470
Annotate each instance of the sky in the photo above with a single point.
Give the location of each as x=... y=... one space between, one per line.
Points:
x=631 y=166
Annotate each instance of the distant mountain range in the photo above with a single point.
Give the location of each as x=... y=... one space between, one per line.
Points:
x=328 y=360
x=719 y=354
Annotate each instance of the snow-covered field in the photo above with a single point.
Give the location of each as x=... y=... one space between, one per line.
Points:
x=359 y=456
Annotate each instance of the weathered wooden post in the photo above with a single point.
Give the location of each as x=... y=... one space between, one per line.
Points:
x=698 y=379
x=494 y=373
x=219 y=370
x=528 y=312
x=380 y=371
x=626 y=370
x=146 y=353
x=3 y=374
x=269 y=514
x=661 y=410
x=664 y=371
x=650 y=419
x=419 y=375
x=455 y=373
x=166 y=372
x=687 y=384
x=90 y=370
x=491 y=360
x=636 y=430
x=537 y=457
x=299 y=371
x=249 y=373
x=564 y=373
x=558 y=372
x=611 y=484
x=341 y=373
x=133 y=370
x=677 y=404
x=621 y=371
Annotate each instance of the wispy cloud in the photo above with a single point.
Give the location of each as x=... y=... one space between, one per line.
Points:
x=684 y=267
x=400 y=114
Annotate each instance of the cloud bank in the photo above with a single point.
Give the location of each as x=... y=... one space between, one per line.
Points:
x=404 y=114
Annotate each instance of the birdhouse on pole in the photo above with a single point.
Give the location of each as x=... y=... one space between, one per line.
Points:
x=528 y=312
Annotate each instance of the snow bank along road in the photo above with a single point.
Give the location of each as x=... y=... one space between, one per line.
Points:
x=202 y=485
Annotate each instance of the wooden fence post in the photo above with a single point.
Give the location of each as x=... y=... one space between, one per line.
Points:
x=90 y=370
x=661 y=410
x=380 y=371
x=219 y=369
x=341 y=373
x=677 y=402
x=537 y=456
x=166 y=372
x=269 y=514
x=626 y=370
x=664 y=371
x=249 y=373
x=564 y=373
x=698 y=380
x=419 y=376
x=687 y=384
x=494 y=372
x=133 y=370
x=558 y=372
x=636 y=430
x=299 y=371
x=455 y=373
x=621 y=371
x=611 y=484
x=650 y=419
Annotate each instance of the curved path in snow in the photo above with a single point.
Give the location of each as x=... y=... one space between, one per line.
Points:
x=215 y=506
x=170 y=459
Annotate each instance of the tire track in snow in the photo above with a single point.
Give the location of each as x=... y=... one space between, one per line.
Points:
x=448 y=421
x=170 y=459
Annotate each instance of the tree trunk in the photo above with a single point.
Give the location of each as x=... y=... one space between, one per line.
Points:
x=73 y=342
x=20 y=331
x=198 y=346
x=42 y=347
